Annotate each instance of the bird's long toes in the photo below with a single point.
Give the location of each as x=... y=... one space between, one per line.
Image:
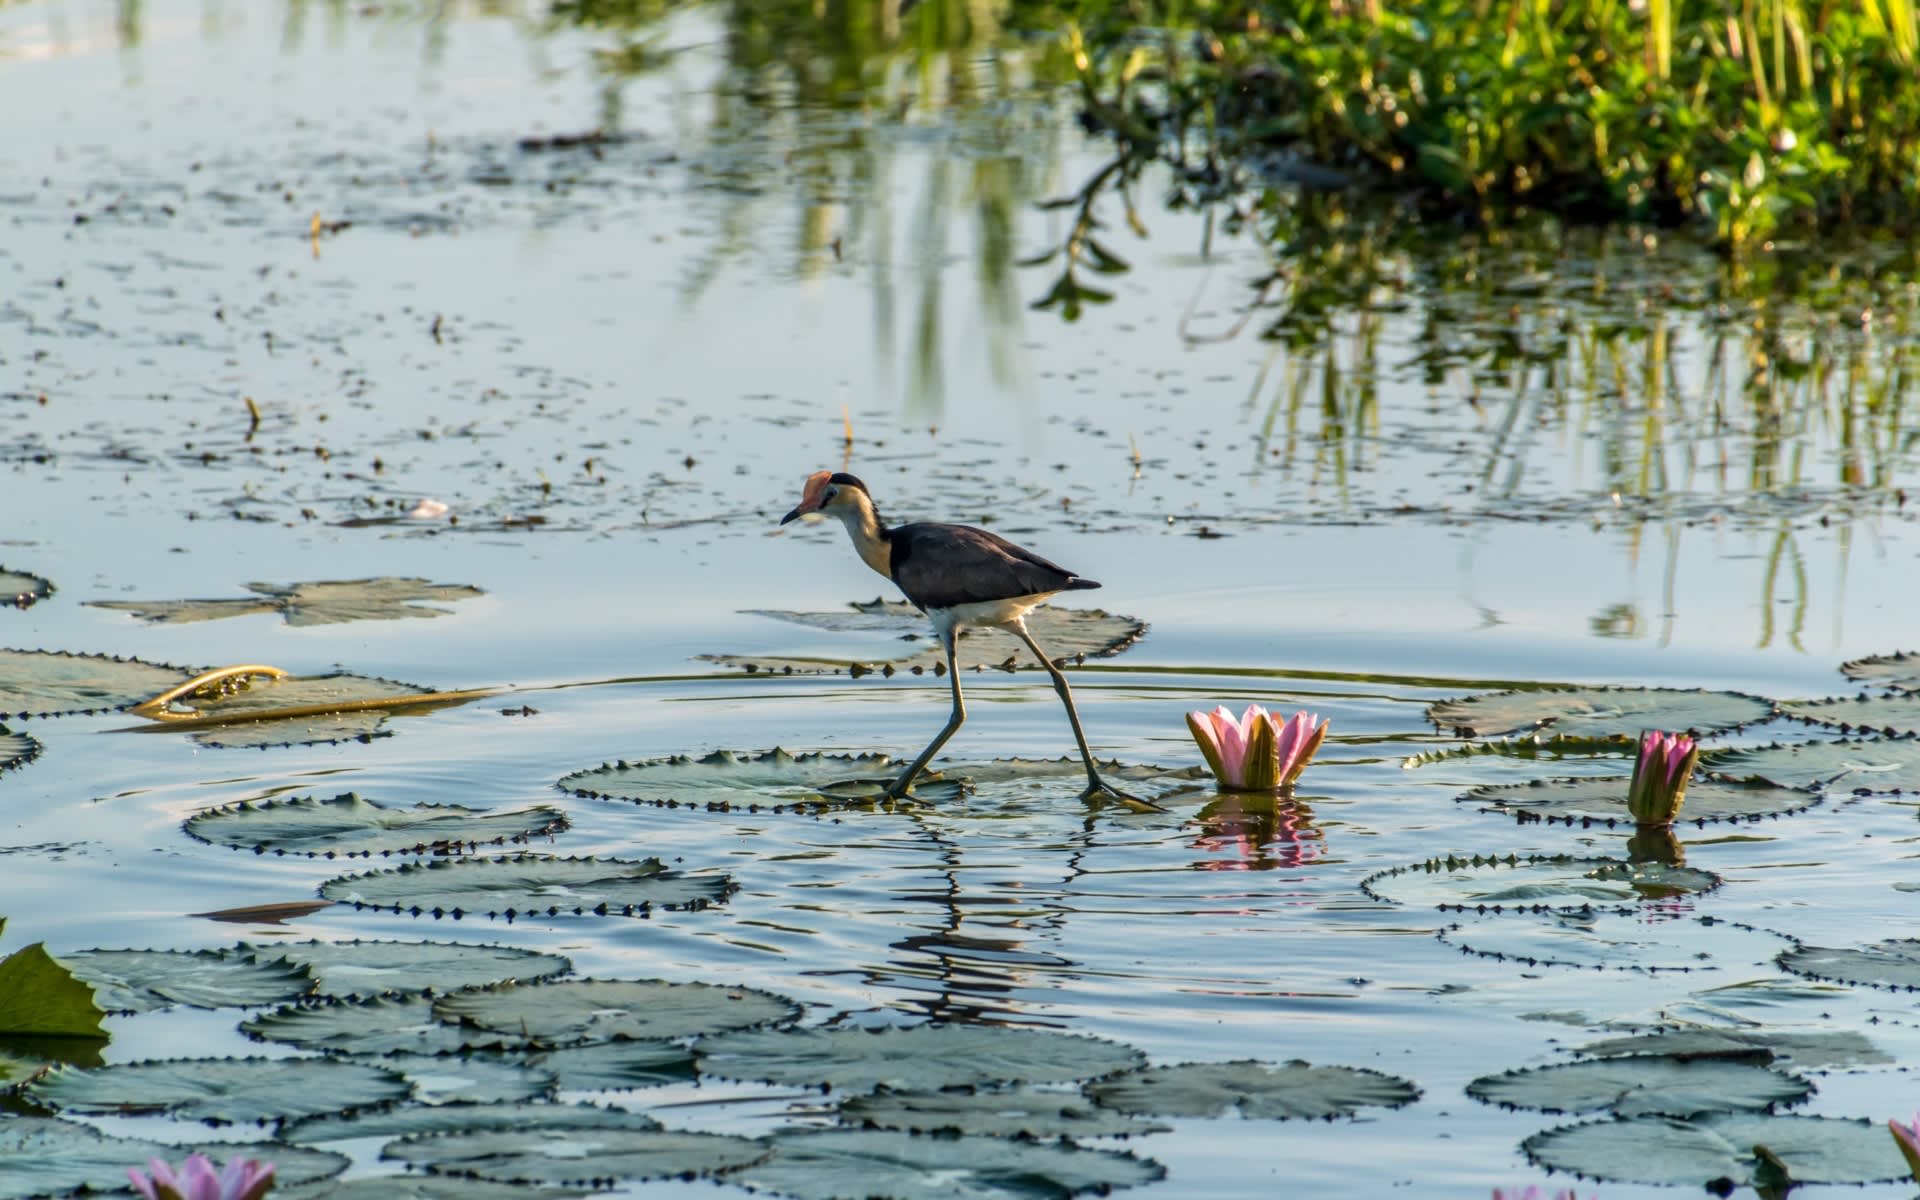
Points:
x=1101 y=790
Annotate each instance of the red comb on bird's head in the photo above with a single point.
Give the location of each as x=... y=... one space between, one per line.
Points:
x=813 y=494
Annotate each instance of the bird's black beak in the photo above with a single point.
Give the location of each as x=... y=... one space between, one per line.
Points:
x=792 y=516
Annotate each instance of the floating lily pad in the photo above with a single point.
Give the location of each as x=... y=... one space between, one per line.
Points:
x=471 y=1078
x=381 y=1025
x=461 y=1118
x=528 y=885
x=617 y=1066
x=1604 y=798
x=137 y=981
x=1618 y=942
x=1599 y=712
x=293 y=1166
x=1259 y=1090
x=1548 y=884
x=219 y=1089
x=1661 y=1150
x=1840 y=1048
x=16 y=749
x=282 y=712
x=578 y=1156
x=1642 y=1087
x=1893 y=716
x=327 y=602
x=421 y=1187
x=18 y=589
x=724 y=779
x=1065 y=633
x=605 y=1010
x=1857 y=766
x=1900 y=671
x=348 y=824
x=914 y=1058
x=39 y=683
x=1002 y=1112
x=359 y=968
x=1893 y=964
x=41 y=1156
x=882 y=1164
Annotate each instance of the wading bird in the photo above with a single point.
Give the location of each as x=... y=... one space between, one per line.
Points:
x=958 y=576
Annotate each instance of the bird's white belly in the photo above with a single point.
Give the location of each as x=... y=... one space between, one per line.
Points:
x=985 y=612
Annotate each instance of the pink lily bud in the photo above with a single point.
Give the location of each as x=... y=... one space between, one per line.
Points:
x=1907 y=1137
x=1660 y=777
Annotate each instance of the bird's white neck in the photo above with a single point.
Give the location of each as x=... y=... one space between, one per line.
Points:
x=863 y=526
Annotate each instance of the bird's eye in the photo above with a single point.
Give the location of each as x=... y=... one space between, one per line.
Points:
x=827 y=496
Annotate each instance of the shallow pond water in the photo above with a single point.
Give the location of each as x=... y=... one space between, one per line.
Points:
x=615 y=361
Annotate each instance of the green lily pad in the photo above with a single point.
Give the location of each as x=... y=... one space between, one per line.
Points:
x=358 y=968
x=1642 y=1087
x=1604 y=798
x=1259 y=1090
x=1600 y=713
x=41 y=997
x=1891 y=716
x=1001 y=1112
x=219 y=1089
x=1618 y=942
x=421 y=1187
x=250 y=717
x=1557 y=883
x=137 y=981
x=347 y=824
x=1899 y=671
x=617 y=1066
x=1839 y=1048
x=471 y=1078
x=410 y=1119
x=293 y=1166
x=40 y=683
x=1065 y=633
x=775 y=779
x=16 y=749
x=605 y=1010
x=41 y=1156
x=1661 y=1150
x=880 y=1164
x=379 y=1025
x=577 y=1156
x=528 y=885
x=327 y=602
x=1892 y=964
x=913 y=1058
x=1857 y=766
x=22 y=590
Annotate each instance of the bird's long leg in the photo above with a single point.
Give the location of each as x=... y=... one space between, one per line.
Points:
x=898 y=787
x=1096 y=786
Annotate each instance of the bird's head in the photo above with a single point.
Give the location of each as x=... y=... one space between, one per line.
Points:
x=830 y=493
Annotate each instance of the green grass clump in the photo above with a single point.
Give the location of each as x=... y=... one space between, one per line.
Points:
x=1749 y=117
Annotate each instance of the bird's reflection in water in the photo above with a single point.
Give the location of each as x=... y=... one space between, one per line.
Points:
x=1257 y=831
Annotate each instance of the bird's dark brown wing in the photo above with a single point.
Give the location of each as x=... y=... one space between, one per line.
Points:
x=939 y=566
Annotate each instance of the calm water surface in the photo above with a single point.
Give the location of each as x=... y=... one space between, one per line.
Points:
x=647 y=343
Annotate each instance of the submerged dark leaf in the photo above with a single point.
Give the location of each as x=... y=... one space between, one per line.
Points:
x=1661 y=1150
x=327 y=602
x=886 y=1165
x=1257 y=1089
x=220 y=1089
x=1538 y=884
x=348 y=824
x=1599 y=713
x=604 y=1010
x=38 y=683
x=1065 y=633
x=528 y=885
x=913 y=1058
x=1642 y=1086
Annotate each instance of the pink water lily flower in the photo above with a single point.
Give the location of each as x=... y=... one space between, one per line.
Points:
x=1907 y=1137
x=243 y=1179
x=1660 y=776
x=1533 y=1192
x=1256 y=752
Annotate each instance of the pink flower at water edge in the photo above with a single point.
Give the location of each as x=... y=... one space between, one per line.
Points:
x=1660 y=776
x=1255 y=752
x=1533 y=1192
x=1295 y=742
x=1907 y=1137
x=243 y=1179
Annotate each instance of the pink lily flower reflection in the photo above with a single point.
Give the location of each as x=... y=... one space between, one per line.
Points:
x=1907 y=1137
x=1533 y=1192
x=1256 y=752
x=1660 y=777
x=243 y=1179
